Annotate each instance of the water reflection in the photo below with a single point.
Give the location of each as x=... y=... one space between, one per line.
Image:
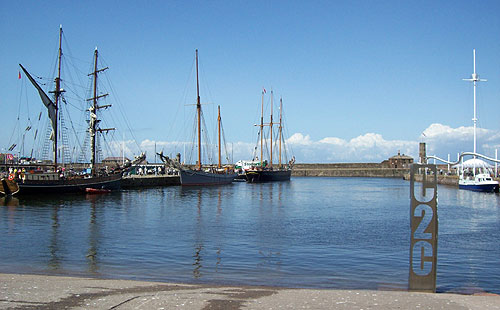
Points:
x=9 y=201
x=208 y=233
x=55 y=257
x=218 y=252
x=198 y=245
x=92 y=253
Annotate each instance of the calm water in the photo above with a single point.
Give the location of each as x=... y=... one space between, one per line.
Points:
x=310 y=232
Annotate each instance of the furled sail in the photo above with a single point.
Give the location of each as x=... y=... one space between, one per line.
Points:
x=51 y=107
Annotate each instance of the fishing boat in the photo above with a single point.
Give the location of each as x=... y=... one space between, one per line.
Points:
x=54 y=178
x=200 y=176
x=475 y=174
x=266 y=171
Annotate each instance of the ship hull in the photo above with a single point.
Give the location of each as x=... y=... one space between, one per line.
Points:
x=201 y=178
x=479 y=183
x=8 y=187
x=261 y=176
x=479 y=187
x=111 y=182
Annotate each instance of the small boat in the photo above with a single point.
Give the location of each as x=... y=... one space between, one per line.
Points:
x=265 y=171
x=90 y=190
x=475 y=175
x=209 y=175
x=242 y=166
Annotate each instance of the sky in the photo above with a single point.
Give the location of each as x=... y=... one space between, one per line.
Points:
x=359 y=80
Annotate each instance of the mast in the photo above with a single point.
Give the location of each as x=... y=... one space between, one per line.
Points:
x=261 y=129
x=280 y=132
x=93 y=124
x=57 y=92
x=218 y=126
x=198 y=109
x=93 y=118
x=474 y=79
x=52 y=106
x=271 y=132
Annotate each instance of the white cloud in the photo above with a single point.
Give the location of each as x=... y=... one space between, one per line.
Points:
x=300 y=139
x=442 y=140
x=370 y=147
x=333 y=140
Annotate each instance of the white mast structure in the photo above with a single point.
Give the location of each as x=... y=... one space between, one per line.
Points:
x=474 y=79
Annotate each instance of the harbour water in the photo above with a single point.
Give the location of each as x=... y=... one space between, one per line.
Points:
x=309 y=232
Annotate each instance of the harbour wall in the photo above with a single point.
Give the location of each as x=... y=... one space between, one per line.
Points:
x=444 y=179
x=376 y=170
x=369 y=170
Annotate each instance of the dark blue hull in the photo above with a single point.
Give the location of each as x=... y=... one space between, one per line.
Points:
x=111 y=182
x=489 y=188
x=261 y=176
x=201 y=178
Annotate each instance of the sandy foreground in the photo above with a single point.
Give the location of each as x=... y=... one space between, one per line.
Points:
x=56 y=292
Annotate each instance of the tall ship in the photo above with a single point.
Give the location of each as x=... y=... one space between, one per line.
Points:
x=199 y=176
x=266 y=171
x=54 y=178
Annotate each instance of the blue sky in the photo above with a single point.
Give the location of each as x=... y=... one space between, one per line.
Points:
x=360 y=80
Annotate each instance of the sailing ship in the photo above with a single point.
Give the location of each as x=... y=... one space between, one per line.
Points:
x=210 y=175
x=475 y=174
x=55 y=179
x=266 y=172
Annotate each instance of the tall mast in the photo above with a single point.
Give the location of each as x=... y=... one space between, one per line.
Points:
x=198 y=109
x=271 y=132
x=93 y=125
x=52 y=106
x=262 y=129
x=218 y=126
x=474 y=79
x=57 y=93
x=280 y=130
x=93 y=119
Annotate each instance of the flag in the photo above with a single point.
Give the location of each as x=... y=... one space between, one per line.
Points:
x=263 y=89
x=19 y=75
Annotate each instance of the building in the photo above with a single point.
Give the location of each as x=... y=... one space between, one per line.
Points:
x=114 y=162
x=398 y=161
